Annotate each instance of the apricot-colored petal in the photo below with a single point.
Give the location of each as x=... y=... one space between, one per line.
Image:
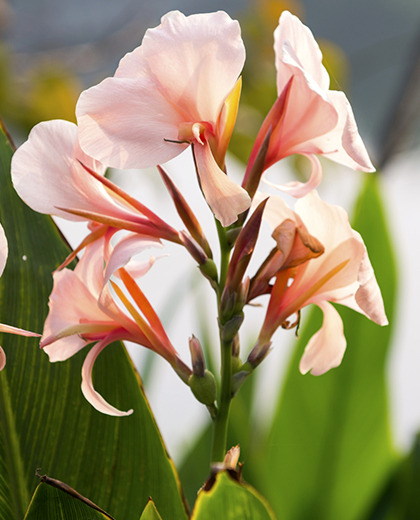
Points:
x=326 y=348
x=300 y=189
x=343 y=144
x=124 y=122
x=91 y=395
x=226 y=199
x=291 y=31
x=3 y=250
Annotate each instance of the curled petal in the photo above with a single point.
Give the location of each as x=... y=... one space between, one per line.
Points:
x=91 y=395
x=2 y=359
x=300 y=189
x=308 y=55
x=343 y=144
x=368 y=296
x=226 y=199
x=125 y=250
x=326 y=348
x=20 y=332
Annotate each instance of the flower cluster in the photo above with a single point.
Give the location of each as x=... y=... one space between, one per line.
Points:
x=181 y=88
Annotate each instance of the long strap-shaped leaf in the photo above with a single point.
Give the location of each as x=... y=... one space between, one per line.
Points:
x=44 y=420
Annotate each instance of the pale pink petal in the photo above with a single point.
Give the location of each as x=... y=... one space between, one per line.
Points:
x=125 y=249
x=276 y=210
x=70 y=304
x=300 y=189
x=327 y=222
x=3 y=250
x=195 y=60
x=47 y=174
x=2 y=359
x=291 y=31
x=303 y=115
x=124 y=122
x=368 y=296
x=226 y=199
x=326 y=348
x=91 y=395
x=343 y=144
x=20 y=332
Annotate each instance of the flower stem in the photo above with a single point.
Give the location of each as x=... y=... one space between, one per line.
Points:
x=221 y=420
x=225 y=396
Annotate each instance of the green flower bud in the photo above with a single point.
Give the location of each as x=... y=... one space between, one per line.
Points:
x=203 y=388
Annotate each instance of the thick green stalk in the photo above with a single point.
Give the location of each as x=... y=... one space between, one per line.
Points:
x=222 y=418
x=225 y=396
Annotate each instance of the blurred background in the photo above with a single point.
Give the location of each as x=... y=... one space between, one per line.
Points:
x=52 y=49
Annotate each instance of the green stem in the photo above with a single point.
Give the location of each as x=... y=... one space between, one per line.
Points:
x=222 y=417
x=221 y=420
x=224 y=256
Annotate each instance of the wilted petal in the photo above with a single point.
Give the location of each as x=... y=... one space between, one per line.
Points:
x=91 y=395
x=326 y=348
x=226 y=199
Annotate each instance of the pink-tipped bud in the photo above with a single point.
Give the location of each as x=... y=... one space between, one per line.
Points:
x=258 y=353
x=197 y=356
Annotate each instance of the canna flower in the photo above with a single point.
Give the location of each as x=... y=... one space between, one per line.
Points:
x=83 y=310
x=342 y=274
x=53 y=175
x=180 y=87
x=307 y=118
x=8 y=328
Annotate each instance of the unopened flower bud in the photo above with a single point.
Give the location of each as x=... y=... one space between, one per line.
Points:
x=204 y=387
x=197 y=356
x=229 y=329
x=209 y=269
x=258 y=353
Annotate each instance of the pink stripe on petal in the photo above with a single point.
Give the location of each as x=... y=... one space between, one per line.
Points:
x=91 y=395
x=226 y=199
x=326 y=348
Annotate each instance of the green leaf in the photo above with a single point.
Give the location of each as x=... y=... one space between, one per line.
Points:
x=400 y=499
x=329 y=450
x=150 y=512
x=44 y=420
x=49 y=503
x=231 y=500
